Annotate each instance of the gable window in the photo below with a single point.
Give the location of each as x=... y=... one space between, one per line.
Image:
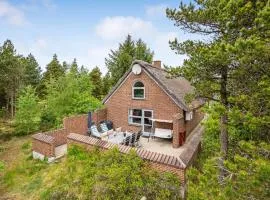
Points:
x=138 y=91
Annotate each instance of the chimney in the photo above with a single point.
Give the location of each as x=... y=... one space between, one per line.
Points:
x=157 y=64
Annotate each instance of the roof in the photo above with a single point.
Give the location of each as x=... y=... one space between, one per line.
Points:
x=176 y=88
x=43 y=137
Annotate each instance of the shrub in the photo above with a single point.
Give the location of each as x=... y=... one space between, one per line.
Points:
x=110 y=175
x=28 y=113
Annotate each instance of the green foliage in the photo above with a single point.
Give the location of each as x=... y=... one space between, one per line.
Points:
x=119 y=61
x=27 y=118
x=96 y=80
x=32 y=71
x=2 y=166
x=110 y=175
x=68 y=95
x=87 y=175
x=248 y=167
x=74 y=67
x=11 y=75
x=107 y=84
x=231 y=68
x=53 y=70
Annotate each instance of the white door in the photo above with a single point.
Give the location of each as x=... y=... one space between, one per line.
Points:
x=147 y=122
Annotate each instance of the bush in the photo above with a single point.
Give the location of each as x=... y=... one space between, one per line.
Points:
x=248 y=167
x=28 y=113
x=47 y=120
x=69 y=95
x=110 y=175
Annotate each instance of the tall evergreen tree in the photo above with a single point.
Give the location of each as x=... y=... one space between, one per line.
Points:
x=53 y=70
x=74 y=67
x=96 y=80
x=215 y=68
x=107 y=84
x=65 y=66
x=11 y=74
x=32 y=71
x=142 y=52
x=120 y=60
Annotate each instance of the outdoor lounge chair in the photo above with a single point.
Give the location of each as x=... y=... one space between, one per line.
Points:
x=94 y=131
x=103 y=127
x=163 y=133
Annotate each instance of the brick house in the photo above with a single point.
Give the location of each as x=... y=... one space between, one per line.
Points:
x=145 y=97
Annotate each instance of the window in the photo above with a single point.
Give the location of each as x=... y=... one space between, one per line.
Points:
x=141 y=117
x=138 y=90
x=135 y=116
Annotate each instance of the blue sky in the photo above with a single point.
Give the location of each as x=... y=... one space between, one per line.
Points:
x=87 y=29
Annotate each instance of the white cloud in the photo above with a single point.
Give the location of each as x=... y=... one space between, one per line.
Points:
x=114 y=29
x=41 y=43
x=117 y=27
x=12 y=14
x=49 y=4
x=156 y=10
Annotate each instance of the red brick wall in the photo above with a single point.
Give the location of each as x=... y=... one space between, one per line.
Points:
x=155 y=99
x=163 y=125
x=197 y=117
x=99 y=115
x=76 y=124
x=60 y=136
x=178 y=127
x=165 y=168
x=44 y=148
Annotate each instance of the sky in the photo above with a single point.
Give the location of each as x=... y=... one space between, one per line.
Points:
x=87 y=30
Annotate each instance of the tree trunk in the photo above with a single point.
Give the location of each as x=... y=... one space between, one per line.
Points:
x=223 y=125
x=7 y=107
x=12 y=105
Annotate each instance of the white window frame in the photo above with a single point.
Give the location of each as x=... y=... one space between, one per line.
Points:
x=142 y=117
x=134 y=88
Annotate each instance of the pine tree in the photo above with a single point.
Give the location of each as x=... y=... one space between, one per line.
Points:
x=53 y=70
x=142 y=52
x=96 y=80
x=216 y=68
x=65 y=66
x=74 y=67
x=107 y=84
x=32 y=71
x=11 y=74
x=119 y=60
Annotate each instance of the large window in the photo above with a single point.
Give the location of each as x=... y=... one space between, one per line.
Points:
x=141 y=117
x=138 y=90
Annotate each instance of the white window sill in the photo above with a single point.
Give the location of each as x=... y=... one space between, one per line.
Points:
x=132 y=124
x=138 y=98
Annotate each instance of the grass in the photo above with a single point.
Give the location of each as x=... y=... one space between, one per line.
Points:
x=6 y=130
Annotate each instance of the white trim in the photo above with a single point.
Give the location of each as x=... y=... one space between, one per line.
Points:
x=138 y=98
x=134 y=88
x=162 y=120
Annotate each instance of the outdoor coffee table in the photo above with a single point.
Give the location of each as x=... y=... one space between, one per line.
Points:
x=117 y=138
